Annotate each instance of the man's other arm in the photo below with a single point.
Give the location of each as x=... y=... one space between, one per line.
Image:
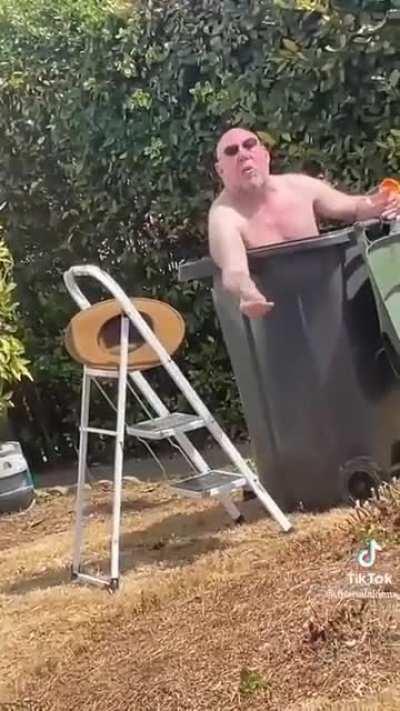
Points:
x=227 y=248
x=228 y=251
x=333 y=204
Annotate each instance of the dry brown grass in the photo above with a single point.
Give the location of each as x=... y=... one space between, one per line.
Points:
x=208 y=616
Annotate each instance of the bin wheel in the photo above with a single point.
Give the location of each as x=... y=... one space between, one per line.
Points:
x=360 y=478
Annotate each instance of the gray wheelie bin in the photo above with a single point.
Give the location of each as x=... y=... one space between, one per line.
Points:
x=320 y=399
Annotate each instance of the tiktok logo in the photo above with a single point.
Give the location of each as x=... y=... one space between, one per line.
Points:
x=367 y=556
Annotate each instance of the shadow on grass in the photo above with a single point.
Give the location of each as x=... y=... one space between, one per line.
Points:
x=174 y=542
x=131 y=505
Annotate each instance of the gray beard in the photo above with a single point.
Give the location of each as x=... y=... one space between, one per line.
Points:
x=258 y=183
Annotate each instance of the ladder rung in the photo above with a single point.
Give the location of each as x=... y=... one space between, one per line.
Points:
x=86 y=578
x=166 y=426
x=99 y=373
x=213 y=483
x=97 y=430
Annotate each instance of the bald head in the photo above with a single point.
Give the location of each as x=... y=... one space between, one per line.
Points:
x=242 y=161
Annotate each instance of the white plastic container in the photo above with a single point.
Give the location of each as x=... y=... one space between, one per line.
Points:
x=16 y=485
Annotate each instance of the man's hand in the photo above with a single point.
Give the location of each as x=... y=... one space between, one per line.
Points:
x=382 y=204
x=252 y=303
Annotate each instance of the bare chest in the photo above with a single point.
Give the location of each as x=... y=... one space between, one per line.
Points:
x=284 y=217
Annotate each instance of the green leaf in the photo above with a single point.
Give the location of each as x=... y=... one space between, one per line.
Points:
x=266 y=138
x=290 y=45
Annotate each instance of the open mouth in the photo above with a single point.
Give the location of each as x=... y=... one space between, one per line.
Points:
x=249 y=170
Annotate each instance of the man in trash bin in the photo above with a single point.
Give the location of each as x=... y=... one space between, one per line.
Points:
x=256 y=208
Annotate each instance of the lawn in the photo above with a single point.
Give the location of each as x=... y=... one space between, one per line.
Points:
x=209 y=616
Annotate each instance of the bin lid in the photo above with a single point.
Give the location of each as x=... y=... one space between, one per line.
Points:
x=382 y=259
x=206 y=267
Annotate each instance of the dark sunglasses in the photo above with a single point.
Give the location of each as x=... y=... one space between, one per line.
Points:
x=248 y=144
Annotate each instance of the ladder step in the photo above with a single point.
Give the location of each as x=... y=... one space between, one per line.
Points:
x=166 y=426
x=212 y=483
x=93 y=579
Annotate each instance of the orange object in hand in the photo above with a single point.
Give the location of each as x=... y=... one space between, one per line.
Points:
x=390 y=185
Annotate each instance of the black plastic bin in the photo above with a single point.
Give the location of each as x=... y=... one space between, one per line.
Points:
x=321 y=402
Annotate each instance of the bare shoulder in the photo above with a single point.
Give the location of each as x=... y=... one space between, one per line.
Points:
x=222 y=204
x=300 y=181
x=223 y=212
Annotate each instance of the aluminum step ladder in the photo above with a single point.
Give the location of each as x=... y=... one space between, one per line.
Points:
x=163 y=424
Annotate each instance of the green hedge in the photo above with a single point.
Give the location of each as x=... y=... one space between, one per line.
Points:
x=109 y=117
x=13 y=364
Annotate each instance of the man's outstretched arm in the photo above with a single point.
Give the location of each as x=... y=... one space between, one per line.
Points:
x=229 y=253
x=333 y=204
